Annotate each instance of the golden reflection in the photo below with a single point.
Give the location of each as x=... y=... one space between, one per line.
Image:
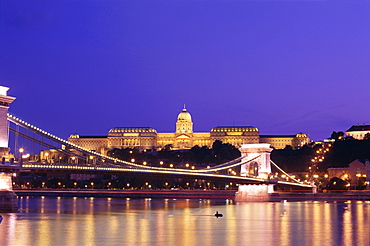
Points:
x=74 y=211
x=44 y=232
x=131 y=227
x=347 y=226
x=109 y=205
x=42 y=209
x=186 y=223
x=86 y=221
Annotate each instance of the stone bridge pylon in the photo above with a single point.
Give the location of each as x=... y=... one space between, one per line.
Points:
x=260 y=168
x=8 y=199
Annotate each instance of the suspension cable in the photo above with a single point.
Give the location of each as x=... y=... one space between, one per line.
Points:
x=284 y=171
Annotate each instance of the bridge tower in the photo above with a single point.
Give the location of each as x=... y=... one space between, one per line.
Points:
x=5 y=100
x=8 y=199
x=260 y=168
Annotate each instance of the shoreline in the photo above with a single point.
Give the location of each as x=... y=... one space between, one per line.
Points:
x=193 y=194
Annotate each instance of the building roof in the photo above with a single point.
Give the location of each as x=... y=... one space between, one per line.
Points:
x=184 y=116
x=234 y=129
x=132 y=129
x=79 y=136
x=356 y=128
x=277 y=136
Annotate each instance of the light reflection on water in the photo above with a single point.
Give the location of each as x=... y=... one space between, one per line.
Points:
x=110 y=221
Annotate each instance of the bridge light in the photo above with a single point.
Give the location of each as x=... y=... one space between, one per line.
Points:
x=132 y=160
x=161 y=163
x=187 y=165
x=193 y=167
x=171 y=165
x=144 y=163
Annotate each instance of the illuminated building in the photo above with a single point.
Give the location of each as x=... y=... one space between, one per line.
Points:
x=280 y=141
x=146 y=138
x=356 y=170
x=358 y=131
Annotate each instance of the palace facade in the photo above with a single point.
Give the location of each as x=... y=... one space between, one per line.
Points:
x=358 y=131
x=146 y=138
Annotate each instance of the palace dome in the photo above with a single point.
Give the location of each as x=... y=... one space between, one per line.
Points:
x=184 y=116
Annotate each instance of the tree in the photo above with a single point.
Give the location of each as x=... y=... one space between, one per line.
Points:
x=167 y=147
x=336 y=184
x=337 y=135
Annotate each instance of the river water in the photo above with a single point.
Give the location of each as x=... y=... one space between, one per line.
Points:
x=109 y=221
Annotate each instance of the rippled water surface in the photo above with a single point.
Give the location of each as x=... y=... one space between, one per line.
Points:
x=104 y=221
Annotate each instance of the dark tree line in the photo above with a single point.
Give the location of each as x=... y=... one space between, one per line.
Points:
x=294 y=160
x=345 y=151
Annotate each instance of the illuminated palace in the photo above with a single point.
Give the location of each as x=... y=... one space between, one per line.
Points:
x=146 y=138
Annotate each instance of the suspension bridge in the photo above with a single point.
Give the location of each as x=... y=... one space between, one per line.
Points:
x=255 y=163
x=77 y=159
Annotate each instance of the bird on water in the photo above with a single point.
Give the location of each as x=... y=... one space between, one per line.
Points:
x=218 y=215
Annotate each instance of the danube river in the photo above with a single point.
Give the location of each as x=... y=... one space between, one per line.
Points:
x=114 y=221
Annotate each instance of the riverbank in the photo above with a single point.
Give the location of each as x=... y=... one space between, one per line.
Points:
x=332 y=196
x=192 y=194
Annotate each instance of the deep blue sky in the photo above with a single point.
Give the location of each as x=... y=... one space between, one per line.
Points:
x=282 y=66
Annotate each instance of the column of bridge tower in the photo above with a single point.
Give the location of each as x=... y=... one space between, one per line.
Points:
x=8 y=199
x=259 y=168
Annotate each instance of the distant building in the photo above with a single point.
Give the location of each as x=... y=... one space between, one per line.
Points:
x=147 y=138
x=356 y=169
x=358 y=131
x=281 y=141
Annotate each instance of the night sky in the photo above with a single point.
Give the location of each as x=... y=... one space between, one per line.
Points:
x=283 y=66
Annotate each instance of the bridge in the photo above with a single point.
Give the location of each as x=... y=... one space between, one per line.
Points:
x=255 y=164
